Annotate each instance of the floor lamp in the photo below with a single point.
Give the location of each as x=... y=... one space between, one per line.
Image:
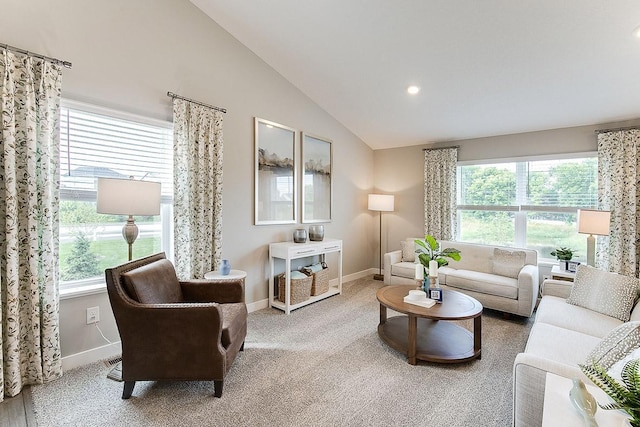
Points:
x=380 y=203
x=593 y=222
x=128 y=197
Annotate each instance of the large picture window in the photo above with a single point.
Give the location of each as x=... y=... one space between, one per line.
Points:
x=529 y=203
x=96 y=142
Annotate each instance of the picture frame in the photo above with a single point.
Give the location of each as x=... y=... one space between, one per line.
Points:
x=275 y=169
x=572 y=266
x=317 y=178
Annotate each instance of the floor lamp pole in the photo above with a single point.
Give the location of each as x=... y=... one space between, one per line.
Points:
x=380 y=276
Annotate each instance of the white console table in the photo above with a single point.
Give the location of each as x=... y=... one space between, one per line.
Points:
x=288 y=251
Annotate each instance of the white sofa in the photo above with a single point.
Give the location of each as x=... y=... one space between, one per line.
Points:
x=562 y=337
x=475 y=275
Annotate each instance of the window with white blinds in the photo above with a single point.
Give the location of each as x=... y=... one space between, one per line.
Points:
x=527 y=202
x=97 y=142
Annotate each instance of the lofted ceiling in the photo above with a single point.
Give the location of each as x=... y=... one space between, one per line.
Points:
x=485 y=68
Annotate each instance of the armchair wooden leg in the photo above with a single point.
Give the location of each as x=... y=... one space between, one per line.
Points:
x=242 y=346
x=128 y=389
x=217 y=385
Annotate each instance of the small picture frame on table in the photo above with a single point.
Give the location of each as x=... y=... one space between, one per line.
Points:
x=572 y=266
x=435 y=294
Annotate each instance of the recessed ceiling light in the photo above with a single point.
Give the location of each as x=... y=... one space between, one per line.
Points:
x=413 y=90
x=636 y=32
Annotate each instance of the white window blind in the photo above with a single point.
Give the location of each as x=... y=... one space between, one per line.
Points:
x=98 y=145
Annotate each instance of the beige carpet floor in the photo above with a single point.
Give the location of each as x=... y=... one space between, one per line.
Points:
x=323 y=365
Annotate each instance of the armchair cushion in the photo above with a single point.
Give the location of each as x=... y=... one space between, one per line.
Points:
x=234 y=319
x=154 y=283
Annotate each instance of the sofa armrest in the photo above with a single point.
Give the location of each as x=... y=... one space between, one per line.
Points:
x=529 y=378
x=528 y=284
x=389 y=259
x=556 y=288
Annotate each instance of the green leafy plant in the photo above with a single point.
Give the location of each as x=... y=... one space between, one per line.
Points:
x=429 y=249
x=563 y=254
x=627 y=395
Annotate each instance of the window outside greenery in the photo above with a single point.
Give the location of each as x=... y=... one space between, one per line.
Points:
x=103 y=143
x=529 y=204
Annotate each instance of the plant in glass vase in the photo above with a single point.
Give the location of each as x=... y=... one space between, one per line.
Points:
x=429 y=249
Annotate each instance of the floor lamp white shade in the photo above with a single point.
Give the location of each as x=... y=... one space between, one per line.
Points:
x=128 y=197
x=593 y=222
x=381 y=203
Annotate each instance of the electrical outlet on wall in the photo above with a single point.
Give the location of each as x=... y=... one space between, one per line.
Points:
x=93 y=315
x=546 y=276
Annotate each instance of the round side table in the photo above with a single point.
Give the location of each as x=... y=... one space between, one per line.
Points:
x=233 y=274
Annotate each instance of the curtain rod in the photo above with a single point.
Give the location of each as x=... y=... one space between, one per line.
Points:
x=66 y=64
x=173 y=95
x=616 y=129
x=440 y=148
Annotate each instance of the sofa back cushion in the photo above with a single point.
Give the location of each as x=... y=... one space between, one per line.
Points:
x=508 y=263
x=476 y=257
x=604 y=292
x=154 y=283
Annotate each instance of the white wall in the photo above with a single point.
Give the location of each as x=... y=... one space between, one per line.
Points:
x=127 y=54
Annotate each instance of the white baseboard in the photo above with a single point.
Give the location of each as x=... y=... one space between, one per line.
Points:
x=115 y=349
x=92 y=355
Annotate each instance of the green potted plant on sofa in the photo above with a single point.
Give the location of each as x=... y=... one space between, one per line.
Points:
x=429 y=249
x=564 y=255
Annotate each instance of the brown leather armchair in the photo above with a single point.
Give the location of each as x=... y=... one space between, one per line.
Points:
x=175 y=330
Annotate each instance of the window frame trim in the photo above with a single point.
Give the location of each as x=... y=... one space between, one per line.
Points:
x=83 y=287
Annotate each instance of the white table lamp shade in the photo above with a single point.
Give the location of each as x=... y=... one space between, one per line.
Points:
x=128 y=197
x=593 y=222
x=381 y=202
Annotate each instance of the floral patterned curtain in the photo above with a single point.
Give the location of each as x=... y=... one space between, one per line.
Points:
x=440 y=192
x=29 y=186
x=197 y=159
x=618 y=191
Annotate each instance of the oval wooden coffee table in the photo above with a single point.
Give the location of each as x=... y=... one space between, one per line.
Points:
x=429 y=333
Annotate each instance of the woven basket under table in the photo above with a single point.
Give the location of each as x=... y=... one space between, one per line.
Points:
x=300 y=289
x=320 y=283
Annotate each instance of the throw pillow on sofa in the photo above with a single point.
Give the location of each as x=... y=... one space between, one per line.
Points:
x=607 y=293
x=508 y=263
x=408 y=251
x=617 y=345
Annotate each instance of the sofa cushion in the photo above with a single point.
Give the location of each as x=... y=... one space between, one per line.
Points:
x=556 y=311
x=607 y=293
x=153 y=283
x=616 y=345
x=560 y=344
x=404 y=269
x=408 y=250
x=483 y=283
x=507 y=263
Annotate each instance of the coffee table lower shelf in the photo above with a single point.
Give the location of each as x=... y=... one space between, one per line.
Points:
x=436 y=340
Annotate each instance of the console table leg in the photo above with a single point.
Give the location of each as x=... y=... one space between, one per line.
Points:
x=411 y=344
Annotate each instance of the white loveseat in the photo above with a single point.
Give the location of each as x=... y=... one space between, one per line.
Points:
x=477 y=274
x=565 y=335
